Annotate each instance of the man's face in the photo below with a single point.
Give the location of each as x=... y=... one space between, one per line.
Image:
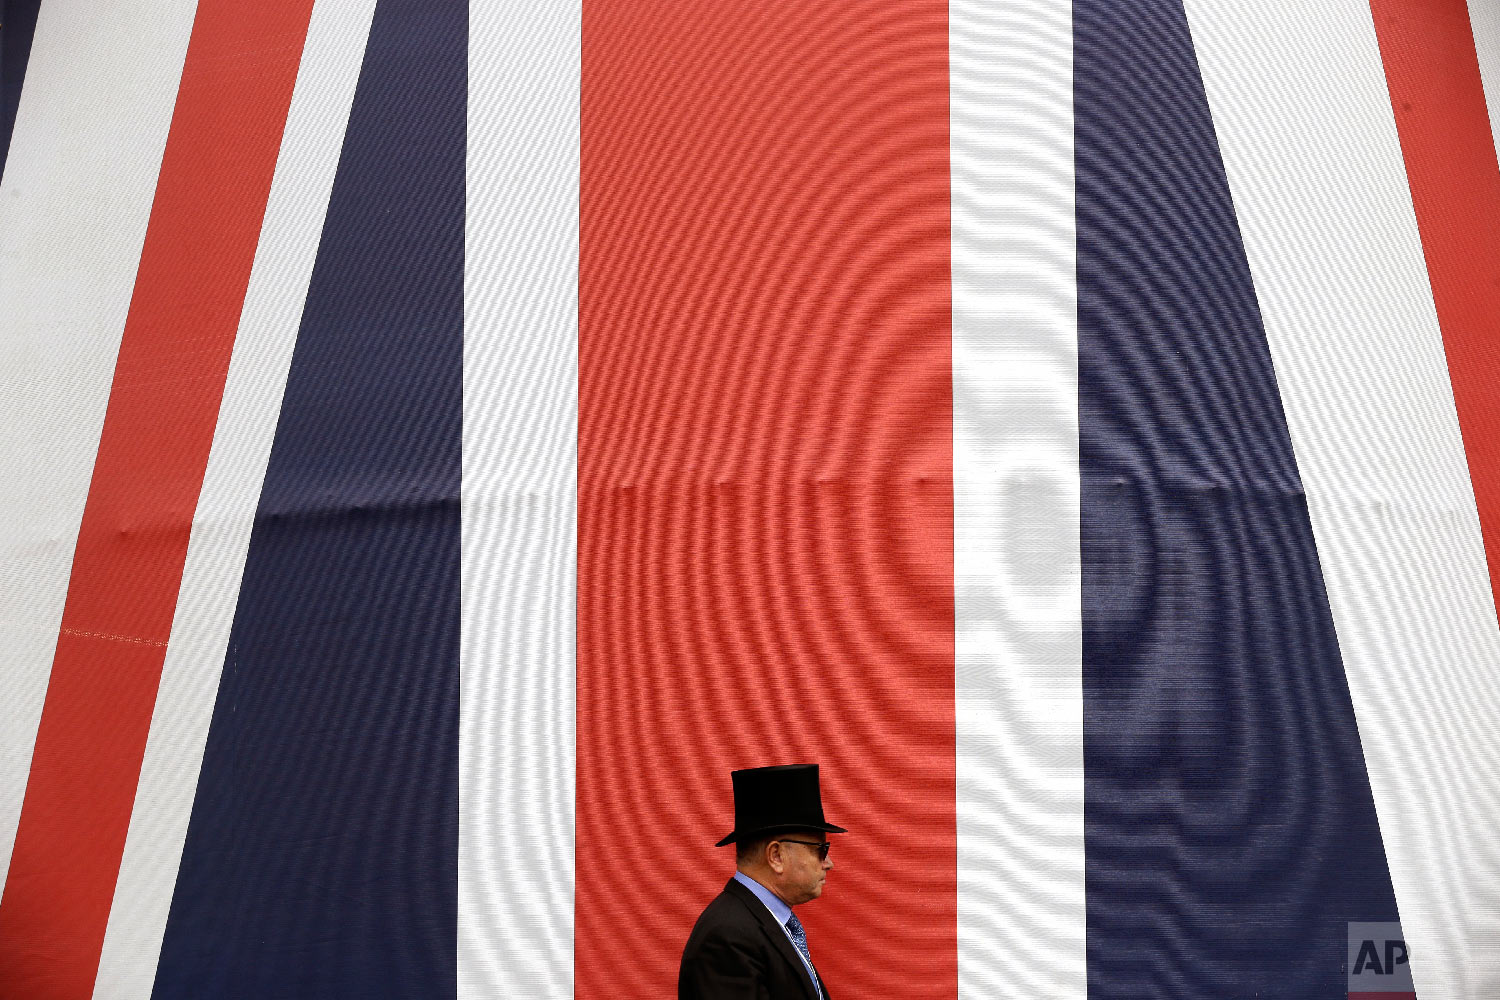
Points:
x=802 y=874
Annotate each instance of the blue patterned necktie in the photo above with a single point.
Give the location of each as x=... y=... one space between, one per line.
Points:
x=799 y=938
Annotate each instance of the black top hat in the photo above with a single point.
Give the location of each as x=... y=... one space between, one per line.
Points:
x=785 y=797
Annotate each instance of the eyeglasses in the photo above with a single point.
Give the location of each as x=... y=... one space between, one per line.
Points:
x=822 y=847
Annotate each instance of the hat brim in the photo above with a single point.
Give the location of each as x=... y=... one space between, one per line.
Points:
x=739 y=835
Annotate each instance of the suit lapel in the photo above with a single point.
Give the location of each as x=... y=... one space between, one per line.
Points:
x=776 y=934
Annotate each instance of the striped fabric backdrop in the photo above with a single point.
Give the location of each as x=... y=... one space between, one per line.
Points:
x=439 y=441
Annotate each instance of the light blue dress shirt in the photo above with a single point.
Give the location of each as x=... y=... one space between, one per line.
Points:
x=782 y=913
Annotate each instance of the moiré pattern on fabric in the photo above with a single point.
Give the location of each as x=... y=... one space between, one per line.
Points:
x=765 y=494
x=321 y=858
x=1230 y=829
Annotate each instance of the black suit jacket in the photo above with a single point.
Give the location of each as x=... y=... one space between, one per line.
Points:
x=736 y=952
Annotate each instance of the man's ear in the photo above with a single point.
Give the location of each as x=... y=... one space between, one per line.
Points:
x=774 y=858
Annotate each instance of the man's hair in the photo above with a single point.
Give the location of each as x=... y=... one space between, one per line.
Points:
x=750 y=851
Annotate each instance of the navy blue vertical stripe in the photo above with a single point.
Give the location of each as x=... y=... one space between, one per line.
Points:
x=17 y=27
x=322 y=855
x=1230 y=831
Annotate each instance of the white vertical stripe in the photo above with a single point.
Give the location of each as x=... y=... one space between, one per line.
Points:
x=1021 y=919
x=520 y=453
x=1484 y=19
x=1303 y=115
x=267 y=333
x=100 y=87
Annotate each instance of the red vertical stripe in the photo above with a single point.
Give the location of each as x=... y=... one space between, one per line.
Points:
x=765 y=473
x=1438 y=98
x=211 y=195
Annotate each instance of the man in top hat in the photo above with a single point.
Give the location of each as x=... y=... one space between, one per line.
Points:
x=748 y=943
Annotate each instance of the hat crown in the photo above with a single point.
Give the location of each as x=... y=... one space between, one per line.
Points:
x=780 y=797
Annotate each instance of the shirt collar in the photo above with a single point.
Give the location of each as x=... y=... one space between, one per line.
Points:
x=773 y=902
